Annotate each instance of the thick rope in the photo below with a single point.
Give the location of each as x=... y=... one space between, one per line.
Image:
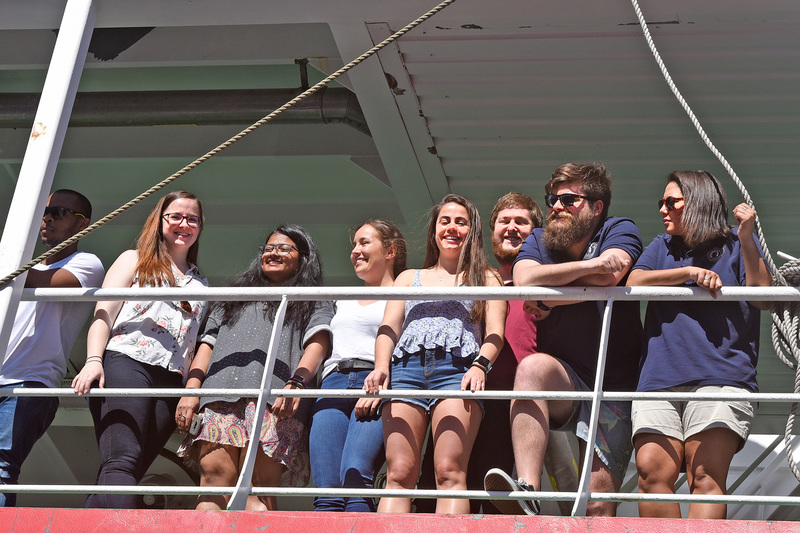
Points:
x=784 y=314
x=202 y=159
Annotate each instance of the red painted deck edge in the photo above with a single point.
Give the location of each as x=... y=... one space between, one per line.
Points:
x=28 y=520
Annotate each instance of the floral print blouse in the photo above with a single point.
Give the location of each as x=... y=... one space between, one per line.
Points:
x=161 y=333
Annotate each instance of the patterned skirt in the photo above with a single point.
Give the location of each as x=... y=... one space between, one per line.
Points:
x=231 y=424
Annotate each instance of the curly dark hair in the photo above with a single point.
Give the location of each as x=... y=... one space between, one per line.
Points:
x=308 y=274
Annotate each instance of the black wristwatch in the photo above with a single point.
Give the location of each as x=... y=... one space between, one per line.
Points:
x=484 y=362
x=543 y=306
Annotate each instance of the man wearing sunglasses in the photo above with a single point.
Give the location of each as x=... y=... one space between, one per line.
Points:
x=580 y=246
x=43 y=334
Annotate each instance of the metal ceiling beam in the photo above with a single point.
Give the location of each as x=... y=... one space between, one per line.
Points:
x=202 y=107
x=415 y=174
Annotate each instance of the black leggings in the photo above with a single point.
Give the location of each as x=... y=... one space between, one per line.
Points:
x=130 y=431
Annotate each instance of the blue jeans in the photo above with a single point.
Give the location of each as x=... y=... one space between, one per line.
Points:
x=344 y=451
x=23 y=420
x=130 y=431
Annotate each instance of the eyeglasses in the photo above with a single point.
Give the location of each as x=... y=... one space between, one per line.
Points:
x=670 y=202
x=57 y=212
x=175 y=219
x=567 y=199
x=282 y=249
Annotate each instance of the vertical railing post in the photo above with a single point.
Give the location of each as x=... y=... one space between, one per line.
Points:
x=579 y=509
x=243 y=486
x=41 y=155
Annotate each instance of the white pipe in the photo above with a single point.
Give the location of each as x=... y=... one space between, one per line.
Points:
x=42 y=153
x=579 y=509
x=406 y=493
x=409 y=293
x=355 y=393
x=238 y=500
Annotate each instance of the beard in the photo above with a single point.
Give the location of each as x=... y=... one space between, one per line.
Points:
x=560 y=237
x=504 y=256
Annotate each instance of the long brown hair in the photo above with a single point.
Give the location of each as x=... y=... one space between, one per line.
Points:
x=154 y=266
x=472 y=262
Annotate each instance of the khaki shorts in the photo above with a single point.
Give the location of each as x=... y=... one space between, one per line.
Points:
x=683 y=419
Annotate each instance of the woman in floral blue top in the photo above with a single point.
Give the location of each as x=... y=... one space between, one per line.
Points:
x=438 y=345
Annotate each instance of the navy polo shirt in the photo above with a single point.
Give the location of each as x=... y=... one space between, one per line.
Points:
x=699 y=343
x=572 y=332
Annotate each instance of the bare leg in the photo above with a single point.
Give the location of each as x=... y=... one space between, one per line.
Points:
x=455 y=425
x=219 y=467
x=708 y=458
x=602 y=480
x=266 y=473
x=658 y=461
x=530 y=419
x=404 y=428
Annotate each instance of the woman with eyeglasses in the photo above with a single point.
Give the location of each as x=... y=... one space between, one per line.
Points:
x=134 y=344
x=346 y=444
x=696 y=346
x=438 y=345
x=232 y=355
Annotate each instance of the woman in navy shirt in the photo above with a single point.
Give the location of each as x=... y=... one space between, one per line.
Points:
x=696 y=346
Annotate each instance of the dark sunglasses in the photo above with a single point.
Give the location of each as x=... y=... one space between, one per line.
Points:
x=670 y=202
x=567 y=199
x=58 y=213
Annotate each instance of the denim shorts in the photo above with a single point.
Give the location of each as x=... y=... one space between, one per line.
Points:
x=429 y=370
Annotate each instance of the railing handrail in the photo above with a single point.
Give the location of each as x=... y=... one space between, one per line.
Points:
x=608 y=294
x=356 y=393
x=407 y=293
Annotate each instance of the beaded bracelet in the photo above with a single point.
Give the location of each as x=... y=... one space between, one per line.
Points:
x=297 y=381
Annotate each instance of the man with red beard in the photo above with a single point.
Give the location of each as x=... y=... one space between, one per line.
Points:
x=580 y=246
x=513 y=218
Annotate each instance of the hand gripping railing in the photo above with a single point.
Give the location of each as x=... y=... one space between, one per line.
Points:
x=285 y=294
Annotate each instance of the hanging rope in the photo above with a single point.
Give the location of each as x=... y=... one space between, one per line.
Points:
x=784 y=314
x=202 y=159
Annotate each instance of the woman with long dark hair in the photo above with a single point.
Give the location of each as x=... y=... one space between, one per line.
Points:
x=232 y=355
x=346 y=443
x=438 y=345
x=696 y=346
x=143 y=345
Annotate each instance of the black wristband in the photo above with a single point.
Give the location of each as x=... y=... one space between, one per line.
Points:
x=483 y=362
x=478 y=365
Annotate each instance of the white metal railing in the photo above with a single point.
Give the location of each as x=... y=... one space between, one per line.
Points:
x=286 y=294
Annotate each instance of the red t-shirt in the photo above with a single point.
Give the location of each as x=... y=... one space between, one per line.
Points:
x=520 y=342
